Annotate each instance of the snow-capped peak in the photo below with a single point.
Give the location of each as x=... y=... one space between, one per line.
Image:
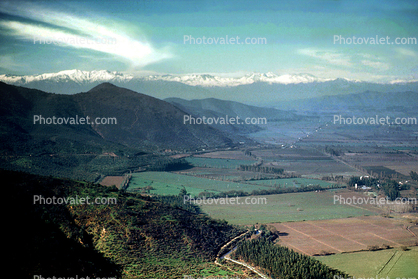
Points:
x=205 y=80
x=69 y=75
x=212 y=80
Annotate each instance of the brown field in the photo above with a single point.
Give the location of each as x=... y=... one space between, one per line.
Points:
x=344 y=235
x=401 y=162
x=112 y=180
x=179 y=156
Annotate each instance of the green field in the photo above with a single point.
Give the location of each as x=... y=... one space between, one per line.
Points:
x=165 y=183
x=391 y=263
x=218 y=163
x=292 y=182
x=284 y=208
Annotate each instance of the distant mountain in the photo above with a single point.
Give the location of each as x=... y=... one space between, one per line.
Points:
x=207 y=80
x=366 y=101
x=262 y=89
x=143 y=122
x=212 y=107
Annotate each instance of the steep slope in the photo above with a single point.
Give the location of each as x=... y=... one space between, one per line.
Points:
x=128 y=236
x=144 y=127
x=144 y=120
x=139 y=121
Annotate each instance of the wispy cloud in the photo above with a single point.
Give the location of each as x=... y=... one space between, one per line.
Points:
x=406 y=52
x=329 y=56
x=376 y=65
x=67 y=30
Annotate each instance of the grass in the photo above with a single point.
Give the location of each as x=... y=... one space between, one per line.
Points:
x=292 y=182
x=391 y=263
x=165 y=183
x=283 y=208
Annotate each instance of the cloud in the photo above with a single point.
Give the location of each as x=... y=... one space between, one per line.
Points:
x=376 y=64
x=406 y=52
x=329 y=56
x=8 y=62
x=68 y=30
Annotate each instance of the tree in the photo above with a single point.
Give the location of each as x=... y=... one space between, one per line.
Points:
x=391 y=189
x=183 y=192
x=414 y=175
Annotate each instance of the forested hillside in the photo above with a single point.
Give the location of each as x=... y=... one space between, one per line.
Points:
x=126 y=236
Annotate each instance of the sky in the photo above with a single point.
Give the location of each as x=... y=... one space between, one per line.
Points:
x=363 y=40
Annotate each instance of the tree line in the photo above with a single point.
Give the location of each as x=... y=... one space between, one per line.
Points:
x=281 y=262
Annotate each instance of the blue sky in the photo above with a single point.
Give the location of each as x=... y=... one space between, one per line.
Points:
x=148 y=37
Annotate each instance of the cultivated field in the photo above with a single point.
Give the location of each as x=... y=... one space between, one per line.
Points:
x=285 y=208
x=227 y=155
x=306 y=162
x=344 y=235
x=112 y=180
x=221 y=174
x=292 y=182
x=218 y=162
x=392 y=263
x=387 y=150
x=166 y=183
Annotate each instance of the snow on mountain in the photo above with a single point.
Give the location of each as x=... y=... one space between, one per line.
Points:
x=205 y=80
x=69 y=75
x=211 y=80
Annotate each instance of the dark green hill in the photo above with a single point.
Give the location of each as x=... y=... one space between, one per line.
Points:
x=129 y=237
x=141 y=121
x=216 y=108
x=142 y=125
x=144 y=120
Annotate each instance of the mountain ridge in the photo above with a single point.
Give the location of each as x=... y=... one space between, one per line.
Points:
x=141 y=119
x=267 y=90
x=192 y=79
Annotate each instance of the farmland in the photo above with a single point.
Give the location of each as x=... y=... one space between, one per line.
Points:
x=285 y=208
x=344 y=235
x=165 y=183
x=112 y=180
x=218 y=162
x=392 y=263
x=307 y=162
x=292 y=182
x=308 y=222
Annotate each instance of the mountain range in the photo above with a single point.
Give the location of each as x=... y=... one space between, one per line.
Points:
x=140 y=128
x=261 y=89
x=367 y=101
x=142 y=121
x=216 y=108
